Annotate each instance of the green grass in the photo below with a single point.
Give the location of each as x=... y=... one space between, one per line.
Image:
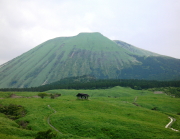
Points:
x=108 y=114
x=22 y=94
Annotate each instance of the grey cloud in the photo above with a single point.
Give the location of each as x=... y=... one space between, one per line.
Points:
x=150 y=24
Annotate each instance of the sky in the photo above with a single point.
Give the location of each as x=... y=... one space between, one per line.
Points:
x=152 y=25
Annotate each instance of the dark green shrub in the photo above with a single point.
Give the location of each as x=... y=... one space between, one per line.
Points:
x=155 y=108
x=53 y=96
x=23 y=124
x=13 y=111
x=42 y=95
x=45 y=134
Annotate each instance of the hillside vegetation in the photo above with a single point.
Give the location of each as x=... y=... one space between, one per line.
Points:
x=119 y=112
x=89 y=82
x=85 y=54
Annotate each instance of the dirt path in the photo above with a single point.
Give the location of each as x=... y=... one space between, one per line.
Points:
x=135 y=99
x=49 y=123
x=48 y=120
x=172 y=119
x=170 y=123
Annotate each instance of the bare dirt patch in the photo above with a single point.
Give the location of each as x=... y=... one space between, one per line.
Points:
x=158 y=92
x=36 y=96
x=15 y=96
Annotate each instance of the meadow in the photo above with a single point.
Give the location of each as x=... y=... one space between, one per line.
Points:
x=115 y=113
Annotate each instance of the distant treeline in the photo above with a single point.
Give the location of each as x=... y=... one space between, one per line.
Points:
x=72 y=83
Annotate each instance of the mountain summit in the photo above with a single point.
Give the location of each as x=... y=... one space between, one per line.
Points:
x=86 y=54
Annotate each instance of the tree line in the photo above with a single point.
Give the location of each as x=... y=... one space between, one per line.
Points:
x=99 y=84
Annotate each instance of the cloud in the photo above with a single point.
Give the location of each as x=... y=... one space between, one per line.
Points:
x=150 y=24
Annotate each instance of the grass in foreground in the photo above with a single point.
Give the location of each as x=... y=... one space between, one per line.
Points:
x=108 y=114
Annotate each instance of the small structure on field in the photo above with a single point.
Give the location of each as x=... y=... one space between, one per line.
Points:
x=82 y=96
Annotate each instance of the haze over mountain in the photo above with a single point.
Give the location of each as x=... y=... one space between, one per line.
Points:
x=86 y=54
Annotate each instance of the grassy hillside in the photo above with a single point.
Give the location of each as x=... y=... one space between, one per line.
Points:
x=85 y=54
x=163 y=68
x=108 y=114
x=135 y=50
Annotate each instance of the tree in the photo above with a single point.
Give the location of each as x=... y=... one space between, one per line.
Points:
x=52 y=96
x=57 y=95
x=42 y=95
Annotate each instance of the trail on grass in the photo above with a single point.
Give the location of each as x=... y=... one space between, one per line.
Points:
x=48 y=120
x=49 y=123
x=170 y=123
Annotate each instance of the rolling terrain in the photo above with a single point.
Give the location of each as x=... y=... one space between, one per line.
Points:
x=119 y=112
x=86 y=54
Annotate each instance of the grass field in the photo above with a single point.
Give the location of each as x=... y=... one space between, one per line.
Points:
x=108 y=114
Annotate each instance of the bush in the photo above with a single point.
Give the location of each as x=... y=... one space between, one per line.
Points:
x=155 y=108
x=13 y=111
x=42 y=95
x=45 y=134
x=23 y=124
x=55 y=95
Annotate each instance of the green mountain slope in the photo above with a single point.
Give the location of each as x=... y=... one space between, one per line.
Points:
x=161 y=68
x=135 y=50
x=84 y=54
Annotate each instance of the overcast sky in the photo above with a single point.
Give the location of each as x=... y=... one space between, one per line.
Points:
x=153 y=25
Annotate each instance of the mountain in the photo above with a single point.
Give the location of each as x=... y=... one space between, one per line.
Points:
x=135 y=50
x=86 y=54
